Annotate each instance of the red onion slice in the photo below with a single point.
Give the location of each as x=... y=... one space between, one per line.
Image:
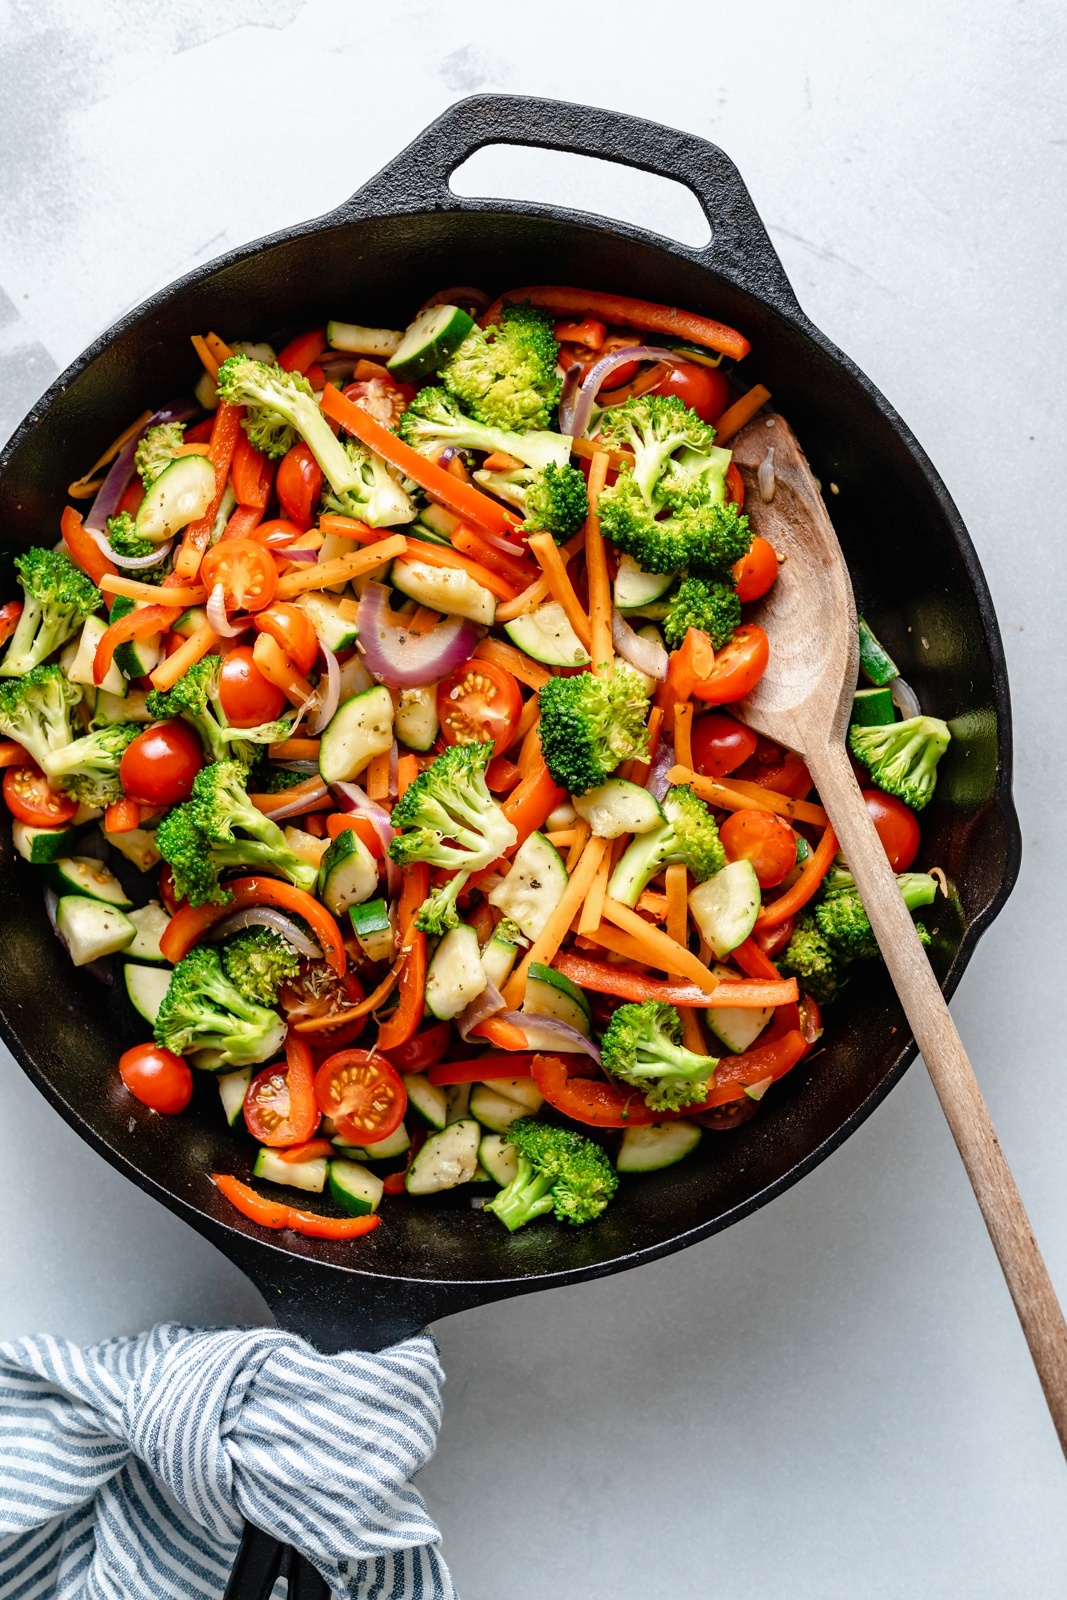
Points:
x=663 y=761
x=484 y=1005
x=307 y=801
x=548 y=1033
x=134 y=563
x=463 y=295
x=120 y=472
x=405 y=660
x=352 y=798
x=299 y=553
x=647 y=655
x=266 y=917
x=602 y=369
x=568 y=397
x=217 y=617
x=905 y=699
x=329 y=694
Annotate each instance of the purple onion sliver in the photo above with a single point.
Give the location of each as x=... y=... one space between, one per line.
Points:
x=568 y=398
x=103 y=970
x=403 y=660
x=266 y=917
x=548 y=1033
x=328 y=701
x=296 y=807
x=352 y=798
x=594 y=379
x=484 y=1005
x=645 y=655
x=217 y=615
x=657 y=784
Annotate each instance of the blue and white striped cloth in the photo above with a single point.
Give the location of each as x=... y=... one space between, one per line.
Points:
x=127 y=1469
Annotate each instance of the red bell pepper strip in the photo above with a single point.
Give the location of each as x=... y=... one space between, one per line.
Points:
x=751 y=959
x=304 y=1115
x=243 y=523
x=84 y=550
x=134 y=625
x=224 y=436
x=532 y=802
x=628 y=983
x=9 y=619
x=253 y=474
x=13 y=755
x=274 y=1214
x=191 y=922
x=505 y=1035
x=311 y=1151
x=398 y=1028
x=590 y=1100
x=620 y=311
x=812 y=873
x=424 y=1049
x=303 y=351
x=772 y=1059
x=484 y=1071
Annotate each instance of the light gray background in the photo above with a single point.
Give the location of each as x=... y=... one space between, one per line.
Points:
x=832 y=1400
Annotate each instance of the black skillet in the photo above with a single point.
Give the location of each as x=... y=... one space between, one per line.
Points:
x=915 y=571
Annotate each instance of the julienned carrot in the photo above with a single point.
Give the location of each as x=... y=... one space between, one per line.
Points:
x=659 y=949
x=739 y=796
x=84 y=550
x=555 y=929
x=295 y=750
x=588 y=448
x=531 y=673
x=596 y=565
x=200 y=345
x=439 y=555
x=311 y=789
x=623 y=312
x=520 y=574
x=530 y=714
x=734 y=417
x=342 y=568
x=118 y=583
x=640 y=770
x=347 y=527
x=676 y=883
x=197 y=645
x=608 y=937
x=465 y=501
x=538 y=592
x=377 y=780
x=683 y=729
x=224 y=434
x=84 y=487
x=593 y=907
x=630 y=983
x=812 y=873
x=529 y=805
x=407 y=770
x=218 y=347
x=692 y=1033
x=549 y=560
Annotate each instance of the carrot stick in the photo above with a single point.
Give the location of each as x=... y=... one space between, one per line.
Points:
x=378 y=777
x=505 y=1035
x=407 y=770
x=738 y=796
x=588 y=449
x=438 y=555
x=116 y=583
x=528 y=718
x=295 y=750
x=276 y=667
x=88 y=483
x=218 y=347
x=622 y=311
x=653 y=905
x=514 y=661
x=530 y=758
x=619 y=943
x=676 y=882
x=347 y=527
x=561 y=837
x=518 y=573
x=734 y=417
x=555 y=929
x=465 y=501
x=692 y=1032
x=310 y=790
x=754 y=961
x=527 y=601
x=341 y=568
x=683 y=730
x=176 y=666
x=812 y=873
x=424 y=620
x=660 y=950
x=200 y=345
x=601 y=647
x=582 y=830
x=593 y=905
x=548 y=559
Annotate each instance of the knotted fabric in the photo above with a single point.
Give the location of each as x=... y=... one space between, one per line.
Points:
x=127 y=1469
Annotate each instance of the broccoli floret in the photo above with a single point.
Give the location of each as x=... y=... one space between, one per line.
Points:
x=196 y=698
x=505 y=375
x=36 y=711
x=157 y=450
x=278 y=406
x=688 y=835
x=654 y=427
x=813 y=961
x=590 y=724
x=88 y=768
x=902 y=757
x=701 y=535
x=203 y=1010
x=191 y=859
x=705 y=603
x=844 y=923
x=230 y=822
x=258 y=961
x=448 y=818
x=434 y=419
x=378 y=500
x=269 y=779
x=559 y=1171
x=555 y=499
x=57 y=599
x=123 y=538
x=643 y=1046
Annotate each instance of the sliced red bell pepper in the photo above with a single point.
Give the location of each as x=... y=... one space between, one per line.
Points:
x=532 y=802
x=84 y=550
x=484 y=1071
x=192 y=922
x=398 y=1028
x=225 y=432
x=751 y=959
x=275 y=1214
x=9 y=619
x=424 y=1049
x=629 y=983
x=134 y=625
x=621 y=311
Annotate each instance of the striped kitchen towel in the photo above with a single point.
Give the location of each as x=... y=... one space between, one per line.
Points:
x=127 y=1469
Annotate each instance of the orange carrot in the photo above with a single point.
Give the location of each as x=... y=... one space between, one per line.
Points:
x=676 y=882
x=439 y=555
x=548 y=557
x=377 y=777
x=520 y=574
x=639 y=770
x=224 y=435
x=407 y=770
x=738 y=796
x=122 y=816
x=504 y=1035
x=531 y=673
x=812 y=873
x=276 y=667
x=683 y=729
x=593 y=906
x=295 y=750
x=117 y=583
x=601 y=647
x=342 y=568
x=734 y=417
x=176 y=666
x=559 y=920
x=200 y=345
x=84 y=550
x=660 y=951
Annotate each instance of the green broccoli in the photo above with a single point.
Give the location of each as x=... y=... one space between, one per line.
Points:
x=506 y=375
x=844 y=924
x=193 y=863
x=555 y=499
x=270 y=779
x=590 y=724
x=88 y=768
x=196 y=698
x=36 y=711
x=434 y=419
x=700 y=536
x=258 y=961
x=654 y=427
x=203 y=1010
x=709 y=604
x=280 y=405
x=124 y=539
x=230 y=822
x=448 y=818
x=819 y=968
x=157 y=450
x=688 y=835
x=57 y=599
x=559 y=1171
x=643 y=1046
x=378 y=500
x=902 y=757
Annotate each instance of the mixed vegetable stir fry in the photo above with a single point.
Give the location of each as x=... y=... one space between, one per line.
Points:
x=377 y=716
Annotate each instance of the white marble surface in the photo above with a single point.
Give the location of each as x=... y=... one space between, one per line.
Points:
x=832 y=1400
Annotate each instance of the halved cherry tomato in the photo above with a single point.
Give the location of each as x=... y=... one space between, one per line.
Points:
x=481 y=702
x=277 y=533
x=424 y=1049
x=385 y=400
x=773 y=940
x=720 y=744
x=158 y=767
x=735 y=486
x=502 y=775
x=774 y=767
x=9 y=617
x=31 y=799
x=293 y=630
x=245 y=570
x=763 y=839
x=703 y=389
x=280 y=1107
x=363 y=1093
x=300 y=353
x=299 y=484
x=247 y=697
x=252 y=474
x=896 y=826
x=756 y=572
x=157 y=1078
x=738 y=668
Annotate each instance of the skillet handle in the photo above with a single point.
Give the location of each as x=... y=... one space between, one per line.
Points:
x=417 y=179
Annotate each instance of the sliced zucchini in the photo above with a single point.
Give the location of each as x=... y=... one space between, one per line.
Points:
x=416 y=722
x=457 y=1099
x=135 y=658
x=355 y=678
x=182 y=493
x=86 y=876
x=446 y=1159
x=550 y=994
x=436 y=334
x=357 y=341
x=151 y=922
x=523 y=1091
x=725 y=908
x=428 y=535
x=447 y=589
x=395 y=1144
x=309 y=1175
x=876 y=664
x=532 y=889
x=360 y=729
x=498 y=1158
x=635 y=588
x=92 y=929
x=659 y=1145
x=111 y=708
x=80 y=669
x=348 y=874
x=138 y=845
x=336 y=631
x=373 y=927
x=440 y=522
x=455 y=975
x=495 y=1111
x=427 y=1099
x=146 y=987
x=618 y=807
x=40 y=845
x=332 y=546
x=354 y=1188
x=193 y=620
x=498 y=958
x=233 y=1086
x=546 y=635
x=735 y=1026
x=874 y=708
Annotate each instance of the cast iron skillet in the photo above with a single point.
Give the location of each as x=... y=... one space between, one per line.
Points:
x=373 y=260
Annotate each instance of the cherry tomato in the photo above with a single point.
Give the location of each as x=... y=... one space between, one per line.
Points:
x=299 y=484
x=245 y=570
x=735 y=486
x=363 y=1093
x=774 y=767
x=756 y=572
x=158 y=767
x=9 y=617
x=424 y=1049
x=157 y=1078
x=738 y=668
x=31 y=799
x=729 y=1114
x=280 y=1106
x=478 y=703
x=300 y=353
x=293 y=630
x=277 y=533
x=773 y=940
x=385 y=401
x=720 y=744
x=897 y=827
x=765 y=840
x=247 y=697
x=703 y=389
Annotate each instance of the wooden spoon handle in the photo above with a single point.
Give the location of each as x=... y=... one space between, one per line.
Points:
x=953 y=1077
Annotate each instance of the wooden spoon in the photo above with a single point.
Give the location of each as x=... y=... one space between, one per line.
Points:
x=804 y=701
